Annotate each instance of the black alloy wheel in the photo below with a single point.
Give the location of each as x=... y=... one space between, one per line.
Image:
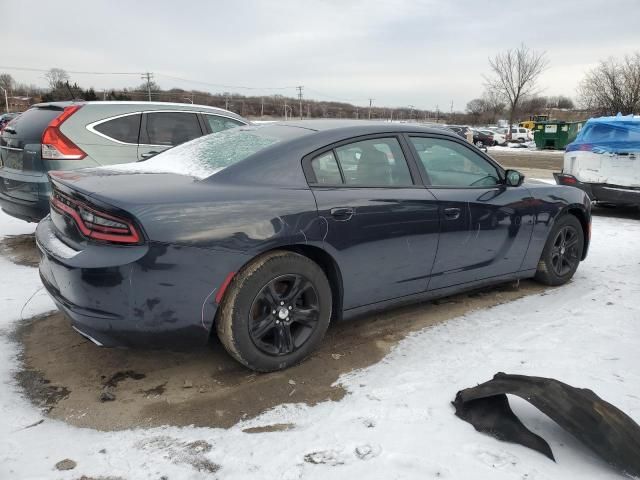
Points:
x=284 y=314
x=564 y=254
x=275 y=311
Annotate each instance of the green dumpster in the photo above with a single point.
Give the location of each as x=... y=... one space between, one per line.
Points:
x=556 y=134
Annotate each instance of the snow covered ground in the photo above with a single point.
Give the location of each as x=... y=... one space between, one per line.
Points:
x=528 y=147
x=397 y=421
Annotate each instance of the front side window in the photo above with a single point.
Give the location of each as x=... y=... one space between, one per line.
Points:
x=171 y=128
x=450 y=164
x=376 y=162
x=218 y=124
x=124 y=129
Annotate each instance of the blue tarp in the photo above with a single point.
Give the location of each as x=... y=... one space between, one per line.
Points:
x=619 y=134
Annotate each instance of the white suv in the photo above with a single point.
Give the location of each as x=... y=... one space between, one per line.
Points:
x=521 y=134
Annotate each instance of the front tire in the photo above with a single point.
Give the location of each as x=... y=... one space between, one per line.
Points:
x=562 y=252
x=275 y=312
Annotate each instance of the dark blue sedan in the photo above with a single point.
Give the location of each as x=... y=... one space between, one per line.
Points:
x=266 y=234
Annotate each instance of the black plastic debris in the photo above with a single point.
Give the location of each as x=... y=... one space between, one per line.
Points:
x=602 y=427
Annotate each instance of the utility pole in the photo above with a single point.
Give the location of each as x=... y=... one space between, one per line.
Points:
x=261 y=107
x=226 y=102
x=299 y=88
x=411 y=111
x=451 y=107
x=370 y=103
x=6 y=99
x=437 y=113
x=308 y=110
x=148 y=76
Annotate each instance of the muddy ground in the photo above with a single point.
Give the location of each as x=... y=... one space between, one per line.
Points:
x=20 y=249
x=111 y=389
x=545 y=160
x=71 y=378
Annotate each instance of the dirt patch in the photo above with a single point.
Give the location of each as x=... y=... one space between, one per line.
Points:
x=276 y=427
x=544 y=160
x=20 y=249
x=66 y=374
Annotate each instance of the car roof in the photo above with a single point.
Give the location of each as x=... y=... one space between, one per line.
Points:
x=359 y=127
x=146 y=105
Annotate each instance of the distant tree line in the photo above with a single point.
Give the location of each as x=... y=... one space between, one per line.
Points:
x=510 y=92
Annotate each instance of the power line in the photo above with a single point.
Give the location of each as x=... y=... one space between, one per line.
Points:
x=243 y=87
x=76 y=72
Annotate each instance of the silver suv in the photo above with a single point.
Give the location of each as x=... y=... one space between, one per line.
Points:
x=72 y=135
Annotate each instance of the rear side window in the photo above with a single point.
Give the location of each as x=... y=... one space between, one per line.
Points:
x=375 y=162
x=171 y=128
x=124 y=129
x=30 y=125
x=325 y=167
x=218 y=124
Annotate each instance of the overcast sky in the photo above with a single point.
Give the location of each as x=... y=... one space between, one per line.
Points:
x=424 y=53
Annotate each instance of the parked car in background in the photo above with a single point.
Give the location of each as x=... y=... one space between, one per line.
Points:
x=459 y=130
x=269 y=233
x=5 y=118
x=521 y=134
x=482 y=138
x=604 y=160
x=73 y=135
x=498 y=138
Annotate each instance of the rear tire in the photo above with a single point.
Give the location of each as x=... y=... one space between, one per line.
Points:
x=562 y=252
x=292 y=286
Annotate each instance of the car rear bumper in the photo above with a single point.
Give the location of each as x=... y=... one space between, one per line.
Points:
x=24 y=196
x=140 y=296
x=602 y=192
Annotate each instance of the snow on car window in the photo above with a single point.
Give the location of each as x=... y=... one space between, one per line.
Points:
x=206 y=155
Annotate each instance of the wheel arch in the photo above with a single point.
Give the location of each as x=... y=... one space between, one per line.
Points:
x=584 y=219
x=330 y=268
x=320 y=257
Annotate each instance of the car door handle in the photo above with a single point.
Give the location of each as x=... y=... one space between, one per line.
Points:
x=452 y=213
x=148 y=154
x=342 y=213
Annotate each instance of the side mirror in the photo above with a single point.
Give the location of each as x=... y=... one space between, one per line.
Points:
x=513 y=178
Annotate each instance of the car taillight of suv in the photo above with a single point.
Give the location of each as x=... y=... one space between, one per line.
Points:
x=55 y=145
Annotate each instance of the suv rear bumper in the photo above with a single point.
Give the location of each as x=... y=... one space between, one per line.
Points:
x=33 y=209
x=602 y=192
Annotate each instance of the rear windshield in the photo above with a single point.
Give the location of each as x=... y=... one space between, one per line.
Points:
x=207 y=155
x=29 y=126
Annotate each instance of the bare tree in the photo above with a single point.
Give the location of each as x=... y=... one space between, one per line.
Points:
x=613 y=86
x=514 y=75
x=476 y=108
x=6 y=81
x=56 y=77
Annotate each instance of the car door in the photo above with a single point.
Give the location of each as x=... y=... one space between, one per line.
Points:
x=485 y=225
x=166 y=129
x=381 y=224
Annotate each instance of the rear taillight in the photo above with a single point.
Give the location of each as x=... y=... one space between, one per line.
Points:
x=95 y=224
x=567 y=179
x=55 y=145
